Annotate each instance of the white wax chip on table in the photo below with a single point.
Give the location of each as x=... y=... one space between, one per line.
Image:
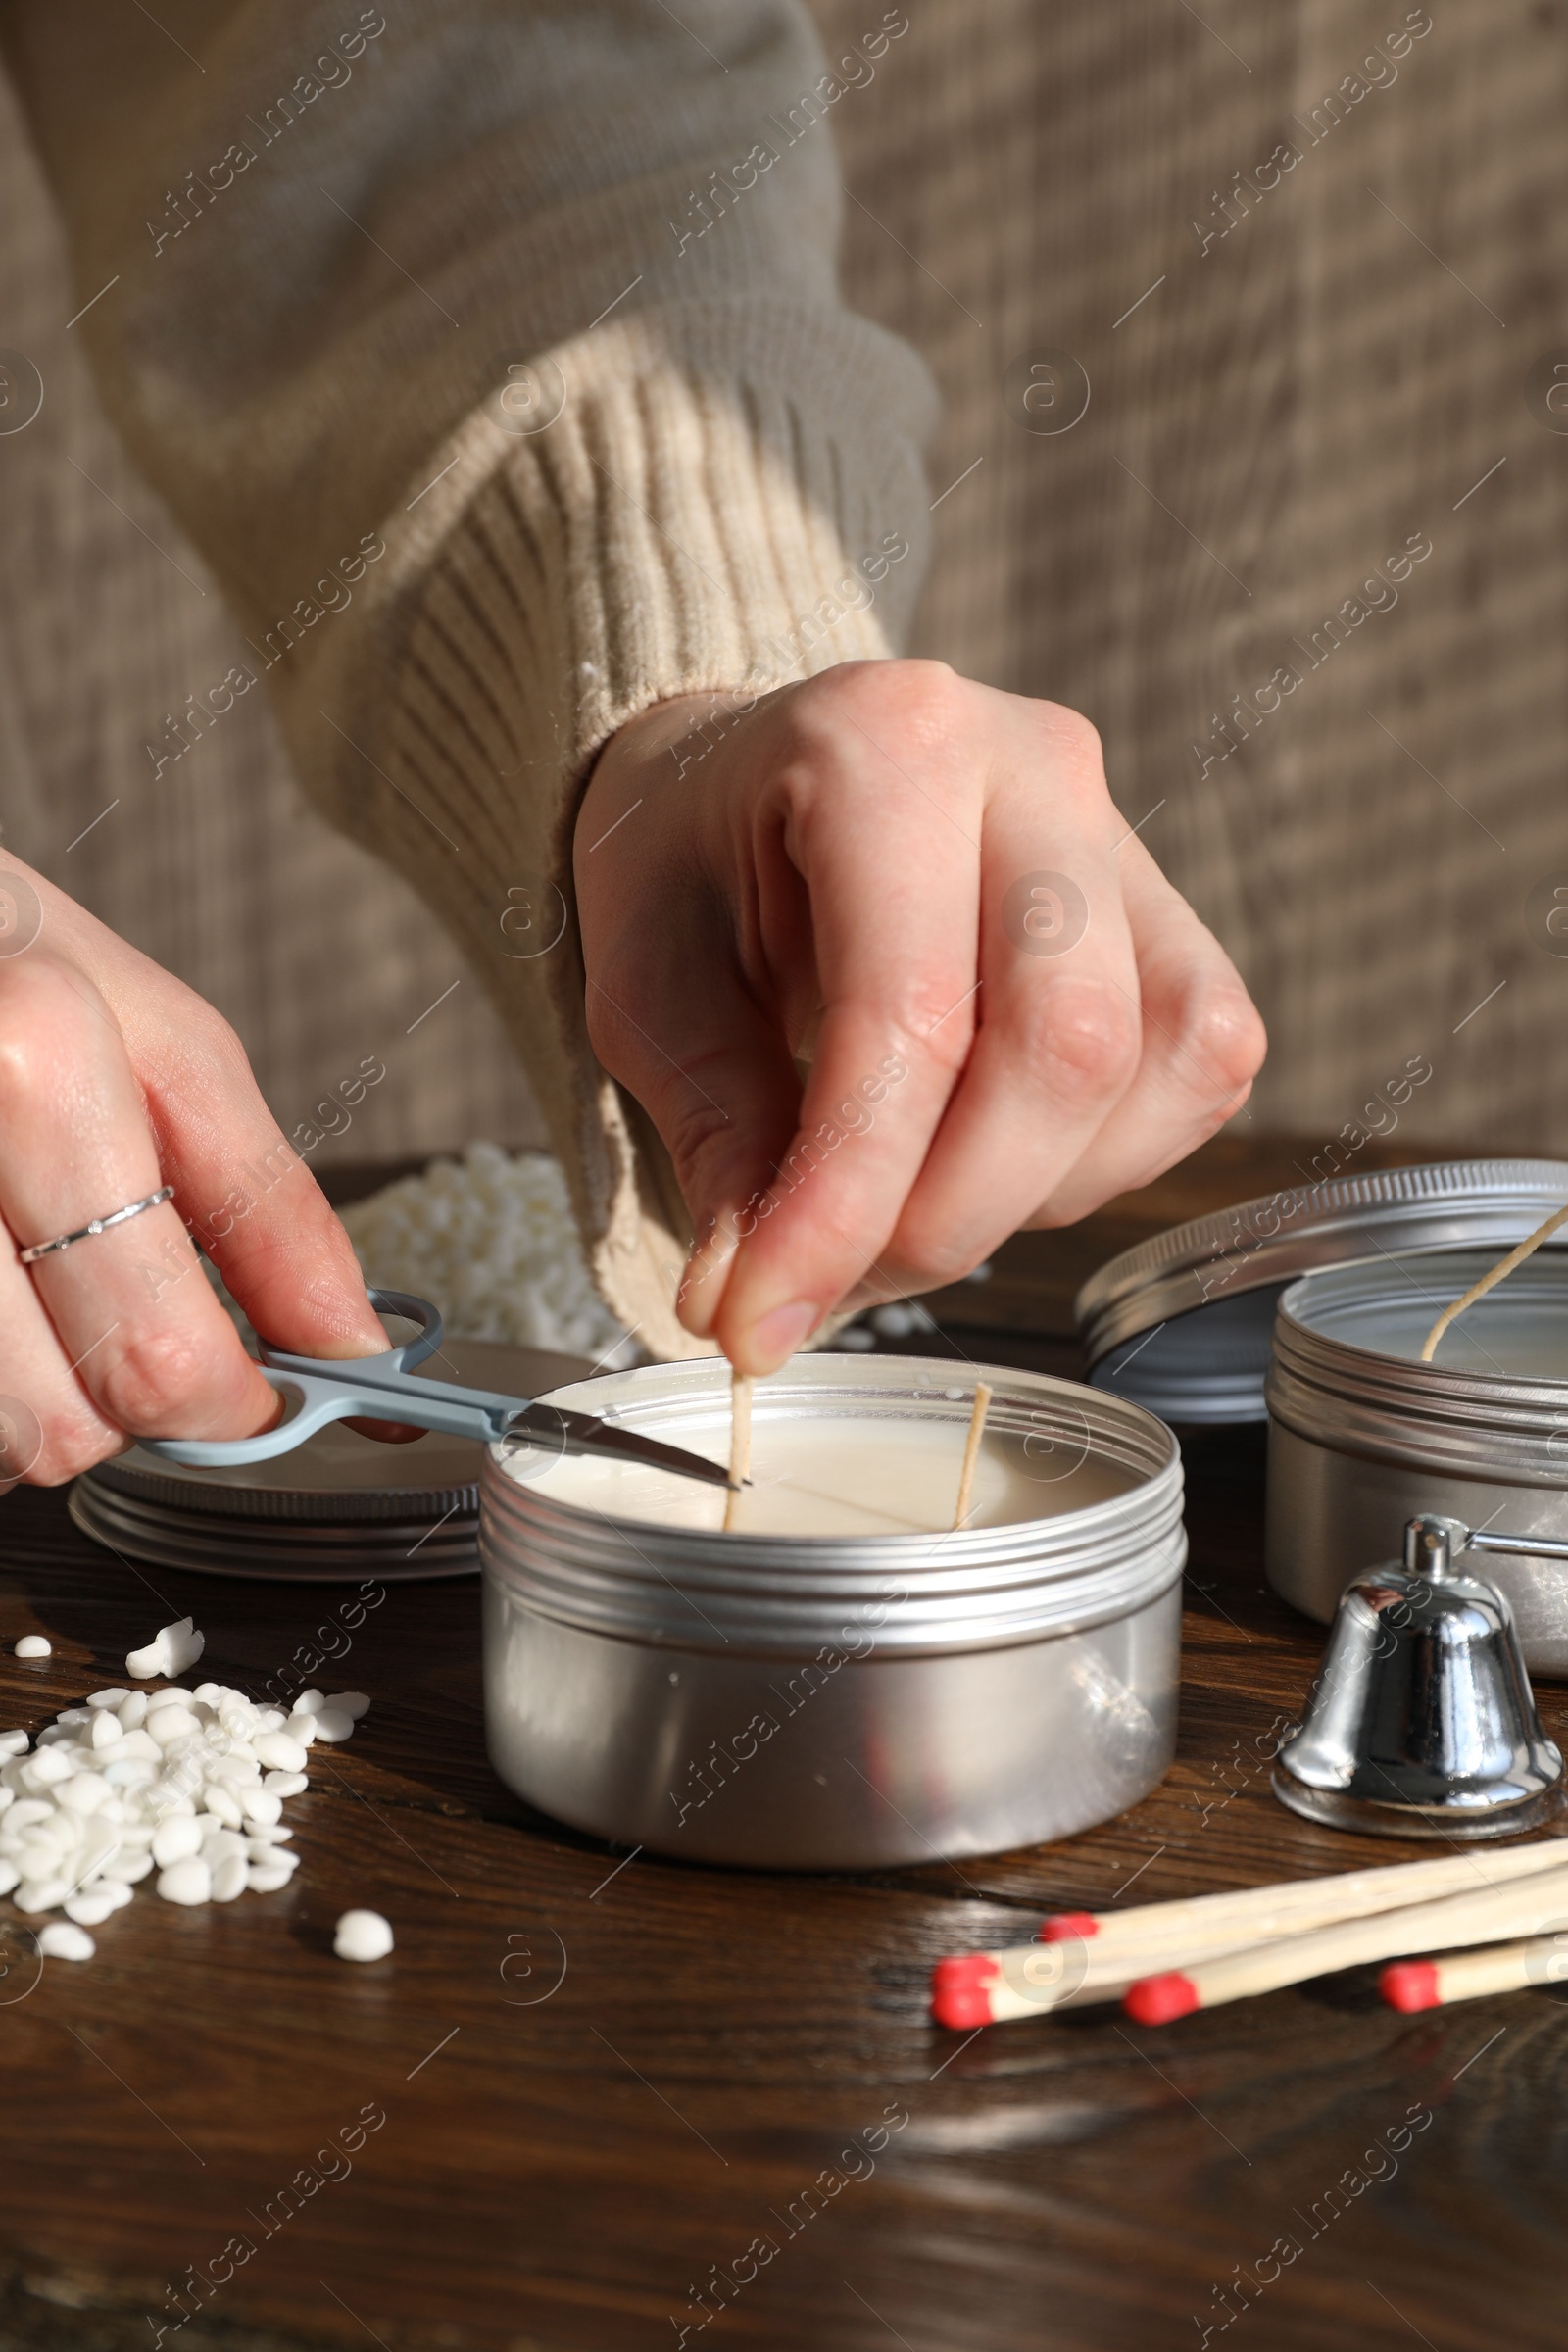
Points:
x=188 y=1783
x=174 y=1647
x=187 y=1882
x=362 y=1935
x=59 y=1941
x=33 y=1646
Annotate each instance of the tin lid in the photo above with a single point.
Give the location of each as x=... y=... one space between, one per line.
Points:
x=1183 y=1323
x=340 y=1505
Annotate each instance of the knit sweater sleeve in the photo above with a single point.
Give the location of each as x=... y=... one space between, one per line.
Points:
x=492 y=354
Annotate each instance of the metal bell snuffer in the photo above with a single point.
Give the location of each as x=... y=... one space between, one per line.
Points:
x=1422 y=1722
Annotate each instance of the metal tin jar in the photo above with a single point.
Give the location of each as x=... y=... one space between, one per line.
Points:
x=840 y=1702
x=1363 y=1436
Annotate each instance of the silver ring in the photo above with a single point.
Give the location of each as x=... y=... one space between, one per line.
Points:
x=99 y=1225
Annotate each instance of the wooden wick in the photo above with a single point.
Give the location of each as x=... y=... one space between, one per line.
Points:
x=740 y=1441
x=971 y=1452
x=1489 y=1281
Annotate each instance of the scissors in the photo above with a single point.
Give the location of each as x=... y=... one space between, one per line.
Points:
x=386 y=1388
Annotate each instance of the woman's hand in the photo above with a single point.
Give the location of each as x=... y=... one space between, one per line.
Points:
x=116 y=1080
x=921 y=886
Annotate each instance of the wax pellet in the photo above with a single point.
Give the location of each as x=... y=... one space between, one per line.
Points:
x=224 y=1802
x=168 y=1723
x=362 y=1935
x=230 y=1878
x=14 y=1744
x=41 y=1895
x=187 y=1882
x=177 y=1838
x=309 y=1702
x=266 y=1845
x=277 y=1748
x=285 y=1784
x=129 y=1868
x=270 y=1719
x=133 y=1714
x=62 y=1942
x=106 y=1699
x=174 y=1647
x=106 y=1729
x=9 y=1875
x=329 y=1725
x=218 y=1843
x=208 y=1693
x=260 y=1805
x=263 y=1877
x=90 y=1906
x=300 y=1728
x=33 y=1646
x=260 y=1835
x=26 y=1811
x=85 y=1792
x=353 y=1704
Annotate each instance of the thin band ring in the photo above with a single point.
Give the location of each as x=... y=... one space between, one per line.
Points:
x=99 y=1225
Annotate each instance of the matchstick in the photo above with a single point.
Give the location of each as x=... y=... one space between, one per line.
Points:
x=1410 y=1984
x=1099 y=1955
x=1528 y=1907
x=740 y=1441
x=1489 y=1280
x=971 y=1452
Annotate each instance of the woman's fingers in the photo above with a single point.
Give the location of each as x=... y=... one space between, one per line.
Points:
x=1202 y=1045
x=1060 y=1034
x=50 y=1427
x=880 y=814
x=156 y=1356
x=245 y=1193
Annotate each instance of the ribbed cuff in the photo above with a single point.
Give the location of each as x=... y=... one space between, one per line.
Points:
x=715 y=498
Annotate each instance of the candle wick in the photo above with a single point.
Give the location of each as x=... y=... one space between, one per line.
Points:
x=740 y=1441
x=971 y=1452
x=1489 y=1280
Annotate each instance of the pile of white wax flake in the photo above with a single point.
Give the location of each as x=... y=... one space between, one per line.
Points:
x=188 y=1783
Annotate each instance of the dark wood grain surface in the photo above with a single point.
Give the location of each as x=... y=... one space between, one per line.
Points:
x=603 y=2079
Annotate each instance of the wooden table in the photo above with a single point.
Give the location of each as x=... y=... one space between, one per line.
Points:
x=604 y=2079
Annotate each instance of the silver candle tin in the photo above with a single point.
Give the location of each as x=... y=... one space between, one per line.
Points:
x=1362 y=1436
x=808 y=1703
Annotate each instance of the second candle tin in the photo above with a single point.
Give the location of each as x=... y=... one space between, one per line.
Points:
x=1363 y=1436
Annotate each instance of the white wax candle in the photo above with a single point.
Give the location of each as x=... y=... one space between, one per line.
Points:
x=844 y=1476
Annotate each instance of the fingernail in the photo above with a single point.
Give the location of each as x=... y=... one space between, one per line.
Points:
x=778 y=1335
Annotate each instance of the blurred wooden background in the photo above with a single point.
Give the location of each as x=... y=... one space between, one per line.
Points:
x=1349 y=366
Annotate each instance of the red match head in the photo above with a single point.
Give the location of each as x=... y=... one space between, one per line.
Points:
x=960 y=1990
x=1410 y=1984
x=1062 y=1925
x=1156 y=2001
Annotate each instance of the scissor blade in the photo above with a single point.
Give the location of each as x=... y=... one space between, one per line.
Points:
x=582 y=1432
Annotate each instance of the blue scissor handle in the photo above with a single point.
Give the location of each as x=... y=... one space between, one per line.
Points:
x=381 y=1388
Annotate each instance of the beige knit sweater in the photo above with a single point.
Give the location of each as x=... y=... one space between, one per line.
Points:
x=492 y=354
